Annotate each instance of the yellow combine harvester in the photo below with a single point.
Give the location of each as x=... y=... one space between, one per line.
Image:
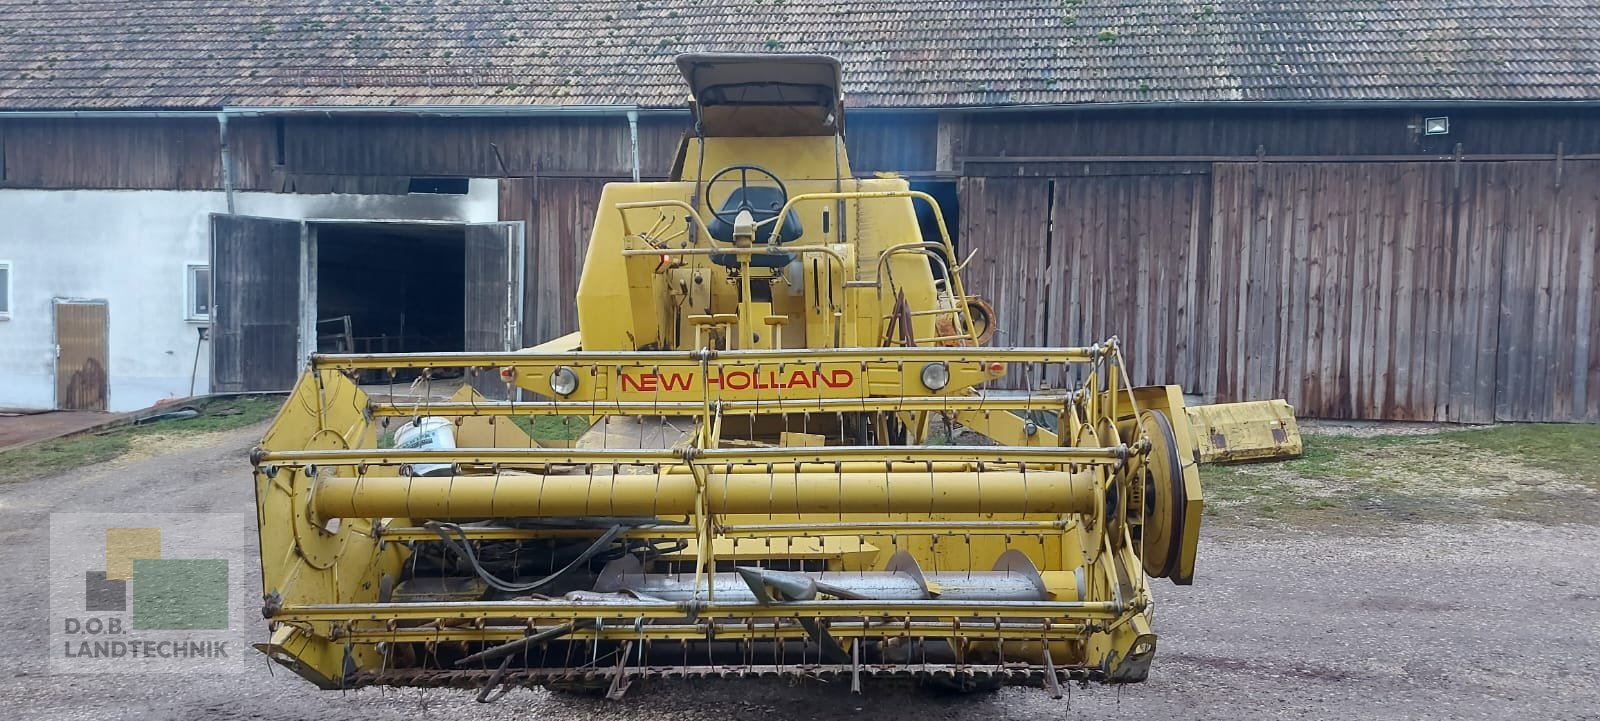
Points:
x=802 y=460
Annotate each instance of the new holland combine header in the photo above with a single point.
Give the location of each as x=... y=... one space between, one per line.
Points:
x=804 y=459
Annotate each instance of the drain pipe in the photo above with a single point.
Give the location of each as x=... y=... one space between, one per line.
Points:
x=227 y=160
x=633 y=141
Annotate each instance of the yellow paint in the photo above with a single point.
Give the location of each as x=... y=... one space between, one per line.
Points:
x=788 y=438
x=809 y=389
x=126 y=545
x=1249 y=431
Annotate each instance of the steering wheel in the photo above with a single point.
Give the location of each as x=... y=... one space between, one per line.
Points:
x=728 y=216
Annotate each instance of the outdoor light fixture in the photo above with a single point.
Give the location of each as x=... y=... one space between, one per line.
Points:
x=563 y=381
x=1436 y=126
x=936 y=375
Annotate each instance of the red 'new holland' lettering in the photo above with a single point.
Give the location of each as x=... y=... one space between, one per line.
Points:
x=652 y=382
x=739 y=380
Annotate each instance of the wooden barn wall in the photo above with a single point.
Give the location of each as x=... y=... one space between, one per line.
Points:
x=1148 y=133
x=559 y=214
x=1073 y=261
x=1333 y=288
x=1125 y=249
x=1549 y=334
x=477 y=147
x=175 y=154
x=1408 y=291
x=1405 y=291
x=1006 y=222
x=379 y=153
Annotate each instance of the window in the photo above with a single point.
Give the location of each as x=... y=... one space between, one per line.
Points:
x=5 y=289
x=438 y=186
x=199 y=295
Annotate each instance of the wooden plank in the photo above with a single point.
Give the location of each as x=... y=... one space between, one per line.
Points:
x=516 y=201
x=1584 y=181
x=1224 y=236
x=1486 y=222
x=564 y=211
x=1403 y=347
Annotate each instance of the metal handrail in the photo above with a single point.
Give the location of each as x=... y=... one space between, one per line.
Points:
x=946 y=244
x=779 y=356
x=938 y=217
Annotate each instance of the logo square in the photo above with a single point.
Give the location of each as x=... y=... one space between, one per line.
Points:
x=180 y=594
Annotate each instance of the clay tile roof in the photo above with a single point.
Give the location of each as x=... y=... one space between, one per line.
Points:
x=201 y=54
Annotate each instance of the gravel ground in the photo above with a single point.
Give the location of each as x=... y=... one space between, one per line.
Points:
x=1470 y=621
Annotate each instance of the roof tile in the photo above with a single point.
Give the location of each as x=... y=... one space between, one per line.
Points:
x=210 y=53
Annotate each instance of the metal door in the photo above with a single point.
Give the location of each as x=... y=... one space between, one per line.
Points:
x=256 y=279
x=494 y=274
x=82 y=353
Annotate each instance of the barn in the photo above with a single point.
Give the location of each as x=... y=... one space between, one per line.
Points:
x=1377 y=210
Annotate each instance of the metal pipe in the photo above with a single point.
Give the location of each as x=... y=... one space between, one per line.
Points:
x=757 y=250
x=633 y=141
x=1353 y=158
x=729 y=630
x=444 y=111
x=642 y=359
x=227 y=160
x=636 y=608
x=1253 y=105
x=674 y=494
x=1043 y=401
x=108 y=114
x=877 y=459
x=328 y=110
x=615 y=110
x=763 y=530
x=875 y=585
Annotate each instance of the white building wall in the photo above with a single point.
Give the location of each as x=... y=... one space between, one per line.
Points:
x=130 y=249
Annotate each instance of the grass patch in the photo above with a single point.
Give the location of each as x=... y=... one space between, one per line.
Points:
x=64 y=454
x=1529 y=472
x=1570 y=449
x=552 y=428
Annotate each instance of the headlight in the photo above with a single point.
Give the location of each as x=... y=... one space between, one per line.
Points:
x=936 y=375
x=563 y=381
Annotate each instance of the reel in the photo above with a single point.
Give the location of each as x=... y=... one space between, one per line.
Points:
x=1154 y=500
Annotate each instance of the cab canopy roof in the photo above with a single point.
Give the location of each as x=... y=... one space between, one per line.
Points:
x=765 y=94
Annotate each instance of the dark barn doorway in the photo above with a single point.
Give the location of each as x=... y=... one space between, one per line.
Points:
x=949 y=206
x=288 y=288
x=390 y=288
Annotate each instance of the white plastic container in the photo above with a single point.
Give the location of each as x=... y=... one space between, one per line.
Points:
x=430 y=434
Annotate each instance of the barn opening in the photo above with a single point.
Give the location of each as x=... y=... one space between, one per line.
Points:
x=390 y=288
x=943 y=191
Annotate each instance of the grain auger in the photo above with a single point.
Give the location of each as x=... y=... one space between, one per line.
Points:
x=801 y=457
